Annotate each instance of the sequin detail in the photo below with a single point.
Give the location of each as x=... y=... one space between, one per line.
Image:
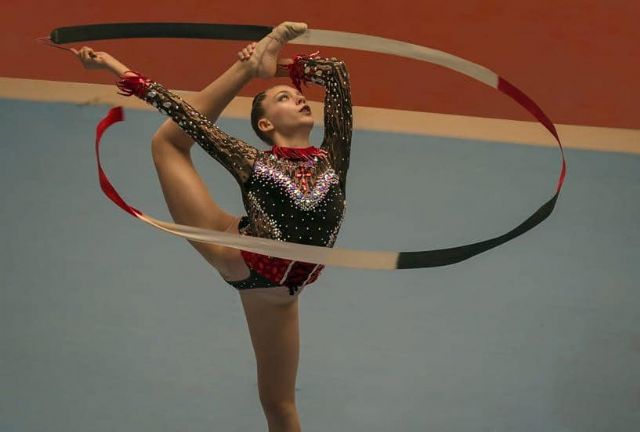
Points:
x=334 y=234
x=234 y=154
x=305 y=201
x=258 y=217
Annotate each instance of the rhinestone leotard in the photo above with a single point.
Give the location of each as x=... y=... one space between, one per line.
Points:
x=301 y=201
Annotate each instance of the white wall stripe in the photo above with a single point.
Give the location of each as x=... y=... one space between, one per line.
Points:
x=365 y=118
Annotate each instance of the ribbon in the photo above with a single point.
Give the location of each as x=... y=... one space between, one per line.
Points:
x=293 y=251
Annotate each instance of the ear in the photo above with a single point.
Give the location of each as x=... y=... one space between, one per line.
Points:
x=265 y=125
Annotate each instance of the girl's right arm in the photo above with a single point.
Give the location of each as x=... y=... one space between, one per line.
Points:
x=235 y=155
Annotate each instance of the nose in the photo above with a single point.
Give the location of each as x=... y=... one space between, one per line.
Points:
x=301 y=99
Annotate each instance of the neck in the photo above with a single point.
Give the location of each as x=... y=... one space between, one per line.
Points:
x=299 y=140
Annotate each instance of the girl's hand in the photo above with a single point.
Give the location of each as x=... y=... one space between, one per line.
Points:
x=93 y=60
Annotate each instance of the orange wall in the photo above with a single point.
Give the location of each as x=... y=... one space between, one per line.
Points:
x=578 y=59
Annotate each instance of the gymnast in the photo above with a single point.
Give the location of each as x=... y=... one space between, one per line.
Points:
x=291 y=192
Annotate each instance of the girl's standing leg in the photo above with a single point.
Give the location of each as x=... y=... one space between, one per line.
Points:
x=274 y=330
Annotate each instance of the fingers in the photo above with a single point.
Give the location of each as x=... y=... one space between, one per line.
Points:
x=88 y=57
x=246 y=52
x=84 y=53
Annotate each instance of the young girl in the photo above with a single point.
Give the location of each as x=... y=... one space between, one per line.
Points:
x=292 y=192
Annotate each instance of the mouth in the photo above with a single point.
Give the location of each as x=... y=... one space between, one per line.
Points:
x=305 y=109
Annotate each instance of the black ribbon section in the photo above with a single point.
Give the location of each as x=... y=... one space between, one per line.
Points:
x=158 y=30
x=406 y=260
x=443 y=257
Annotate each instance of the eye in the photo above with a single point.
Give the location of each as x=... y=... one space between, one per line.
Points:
x=283 y=96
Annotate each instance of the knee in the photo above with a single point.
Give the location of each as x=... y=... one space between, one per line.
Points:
x=161 y=147
x=169 y=134
x=158 y=144
x=279 y=410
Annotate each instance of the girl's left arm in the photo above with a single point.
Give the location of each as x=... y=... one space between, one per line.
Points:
x=332 y=74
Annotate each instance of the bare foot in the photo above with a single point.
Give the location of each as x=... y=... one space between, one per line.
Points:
x=265 y=55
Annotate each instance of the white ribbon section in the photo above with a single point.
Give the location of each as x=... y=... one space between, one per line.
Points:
x=398 y=48
x=379 y=260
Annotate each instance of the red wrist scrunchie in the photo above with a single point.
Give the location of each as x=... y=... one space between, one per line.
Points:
x=296 y=69
x=133 y=84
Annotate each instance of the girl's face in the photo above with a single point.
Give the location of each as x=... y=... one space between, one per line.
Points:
x=286 y=111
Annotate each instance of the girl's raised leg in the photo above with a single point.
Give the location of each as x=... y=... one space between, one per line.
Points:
x=256 y=60
x=210 y=101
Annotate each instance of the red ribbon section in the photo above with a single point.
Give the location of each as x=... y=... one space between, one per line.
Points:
x=115 y=115
x=525 y=101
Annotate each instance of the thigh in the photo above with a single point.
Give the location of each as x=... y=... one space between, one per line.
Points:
x=188 y=198
x=274 y=330
x=232 y=266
